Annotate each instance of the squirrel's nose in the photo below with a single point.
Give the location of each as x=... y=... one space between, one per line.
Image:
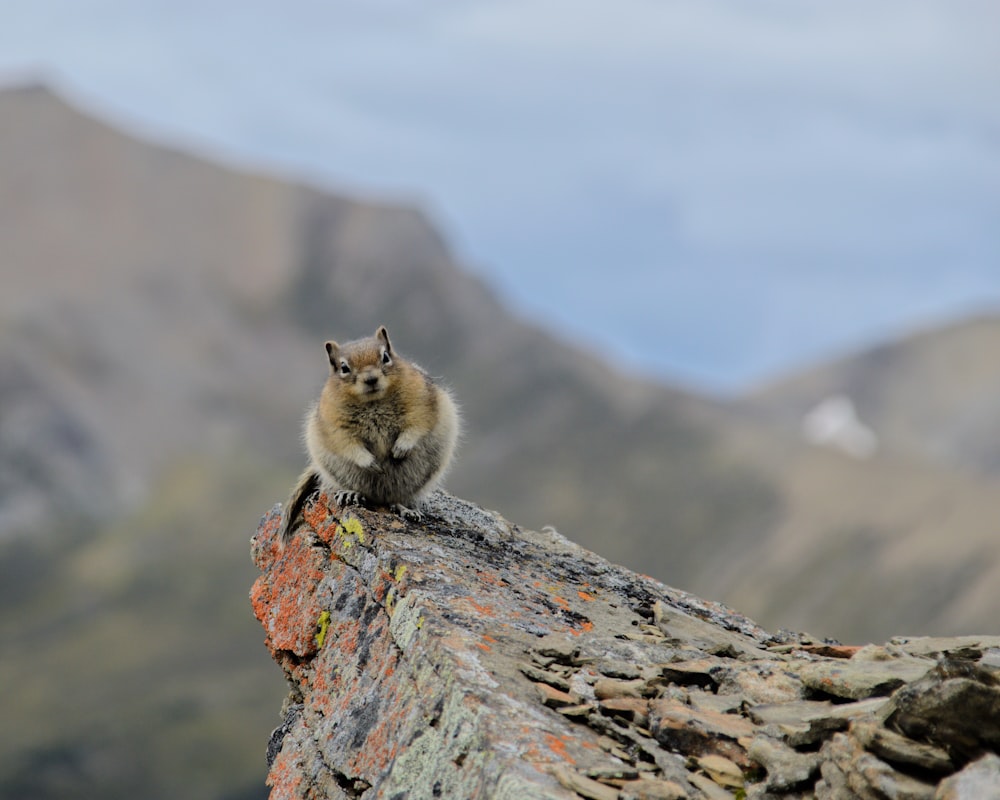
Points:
x=371 y=380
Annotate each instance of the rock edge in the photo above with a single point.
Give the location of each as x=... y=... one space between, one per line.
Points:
x=464 y=657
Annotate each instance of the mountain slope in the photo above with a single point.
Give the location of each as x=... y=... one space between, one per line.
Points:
x=932 y=394
x=910 y=530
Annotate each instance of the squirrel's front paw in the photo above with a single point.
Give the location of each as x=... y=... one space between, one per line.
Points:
x=400 y=450
x=364 y=459
x=347 y=498
x=405 y=442
x=406 y=513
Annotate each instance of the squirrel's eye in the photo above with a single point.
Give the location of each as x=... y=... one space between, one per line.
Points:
x=386 y=358
x=344 y=368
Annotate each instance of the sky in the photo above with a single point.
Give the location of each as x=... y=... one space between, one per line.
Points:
x=710 y=191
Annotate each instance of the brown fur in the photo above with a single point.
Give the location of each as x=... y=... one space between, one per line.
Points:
x=382 y=431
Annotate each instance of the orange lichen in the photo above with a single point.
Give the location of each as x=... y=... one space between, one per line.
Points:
x=586 y=596
x=380 y=746
x=482 y=609
x=832 y=651
x=315 y=514
x=558 y=746
x=284 y=599
x=492 y=580
x=285 y=777
x=347 y=639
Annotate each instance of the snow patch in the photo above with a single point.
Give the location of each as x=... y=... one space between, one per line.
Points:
x=834 y=423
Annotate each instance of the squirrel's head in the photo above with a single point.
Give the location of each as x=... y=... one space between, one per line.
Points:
x=363 y=368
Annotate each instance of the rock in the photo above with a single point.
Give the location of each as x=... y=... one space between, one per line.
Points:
x=759 y=792
x=849 y=772
x=553 y=679
x=584 y=786
x=689 y=630
x=857 y=679
x=464 y=657
x=719 y=703
x=955 y=706
x=763 y=681
x=606 y=688
x=292 y=712
x=558 y=647
x=970 y=648
x=833 y=783
x=980 y=780
x=991 y=658
x=634 y=709
x=831 y=650
x=710 y=788
x=622 y=670
x=806 y=722
x=619 y=774
x=692 y=672
x=785 y=767
x=869 y=776
x=899 y=750
x=685 y=729
x=651 y=789
x=578 y=711
x=721 y=770
x=554 y=698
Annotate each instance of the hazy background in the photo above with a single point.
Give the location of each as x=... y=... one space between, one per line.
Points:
x=710 y=190
x=717 y=286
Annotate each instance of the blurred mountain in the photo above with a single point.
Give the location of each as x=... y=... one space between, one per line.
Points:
x=172 y=306
x=933 y=395
x=162 y=322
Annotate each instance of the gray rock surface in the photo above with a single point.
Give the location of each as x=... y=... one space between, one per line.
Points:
x=980 y=780
x=465 y=657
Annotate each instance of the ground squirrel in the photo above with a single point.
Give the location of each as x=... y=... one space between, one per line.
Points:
x=382 y=432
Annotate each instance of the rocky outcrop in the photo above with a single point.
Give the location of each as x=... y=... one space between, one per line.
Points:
x=464 y=657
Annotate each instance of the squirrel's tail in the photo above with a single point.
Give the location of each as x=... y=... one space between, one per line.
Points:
x=306 y=485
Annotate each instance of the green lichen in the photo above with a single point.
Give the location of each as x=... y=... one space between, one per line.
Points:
x=322 y=625
x=352 y=526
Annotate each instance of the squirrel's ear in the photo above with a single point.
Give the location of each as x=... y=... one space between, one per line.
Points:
x=383 y=334
x=332 y=351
